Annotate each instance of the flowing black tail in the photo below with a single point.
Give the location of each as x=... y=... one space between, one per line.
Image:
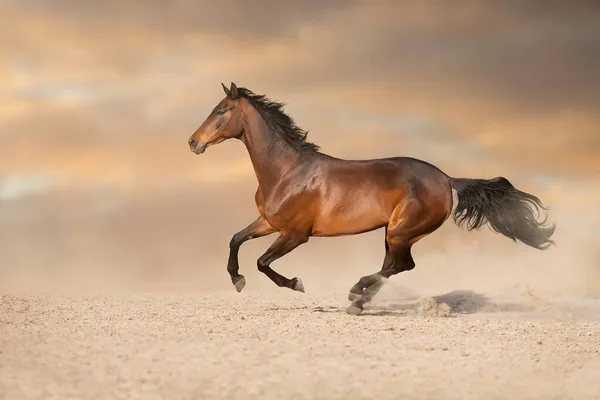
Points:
x=504 y=208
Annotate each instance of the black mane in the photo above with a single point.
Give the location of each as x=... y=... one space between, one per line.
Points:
x=279 y=121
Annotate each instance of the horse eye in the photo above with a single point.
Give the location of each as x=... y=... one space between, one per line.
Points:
x=223 y=110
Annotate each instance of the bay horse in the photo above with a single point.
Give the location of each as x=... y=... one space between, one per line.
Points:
x=303 y=192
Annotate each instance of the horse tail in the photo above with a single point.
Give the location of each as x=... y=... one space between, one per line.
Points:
x=504 y=208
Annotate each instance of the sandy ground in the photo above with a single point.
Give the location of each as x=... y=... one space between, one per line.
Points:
x=287 y=345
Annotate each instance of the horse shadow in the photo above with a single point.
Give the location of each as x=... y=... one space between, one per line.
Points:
x=458 y=302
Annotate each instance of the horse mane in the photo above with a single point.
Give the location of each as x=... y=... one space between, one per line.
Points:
x=279 y=121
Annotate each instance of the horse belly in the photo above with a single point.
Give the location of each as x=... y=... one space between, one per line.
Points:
x=351 y=217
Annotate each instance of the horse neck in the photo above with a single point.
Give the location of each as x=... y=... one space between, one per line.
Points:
x=272 y=157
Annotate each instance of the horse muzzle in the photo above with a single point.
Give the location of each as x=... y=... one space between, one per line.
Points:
x=197 y=147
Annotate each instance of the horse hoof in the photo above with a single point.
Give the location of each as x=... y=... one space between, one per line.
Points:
x=354 y=296
x=297 y=285
x=354 y=309
x=239 y=283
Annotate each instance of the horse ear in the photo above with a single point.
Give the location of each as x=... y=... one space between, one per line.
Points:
x=227 y=91
x=234 y=91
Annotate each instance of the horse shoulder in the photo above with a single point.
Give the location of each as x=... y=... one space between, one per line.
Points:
x=289 y=206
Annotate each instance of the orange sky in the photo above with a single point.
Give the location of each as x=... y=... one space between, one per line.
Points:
x=99 y=98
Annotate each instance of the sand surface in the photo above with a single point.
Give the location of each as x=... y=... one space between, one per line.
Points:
x=287 y=345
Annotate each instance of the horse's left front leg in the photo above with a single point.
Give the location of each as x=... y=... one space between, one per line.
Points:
x=258 y=228
x=283 y=245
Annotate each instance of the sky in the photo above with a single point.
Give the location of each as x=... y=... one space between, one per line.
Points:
x=98 y=100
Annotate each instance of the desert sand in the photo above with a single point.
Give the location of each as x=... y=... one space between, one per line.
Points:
x=278 y=344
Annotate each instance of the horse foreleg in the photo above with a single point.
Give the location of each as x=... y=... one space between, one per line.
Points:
x=283 y=245
x=257 y=229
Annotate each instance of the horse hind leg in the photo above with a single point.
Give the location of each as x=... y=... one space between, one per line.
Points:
x=400 y=260
x=357 y=291
x=409 y=222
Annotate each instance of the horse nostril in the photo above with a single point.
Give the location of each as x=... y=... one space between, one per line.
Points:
x=192 y=143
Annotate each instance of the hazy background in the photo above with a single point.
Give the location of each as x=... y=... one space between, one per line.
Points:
x=99 y=98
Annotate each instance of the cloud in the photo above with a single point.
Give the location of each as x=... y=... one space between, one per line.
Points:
x=15 y=187
x=261 y=19
x=541 y=56
x=112 y=90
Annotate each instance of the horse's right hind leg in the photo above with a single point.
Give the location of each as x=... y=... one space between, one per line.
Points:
x=398 y=261
x=409 y=222
x=357 y=291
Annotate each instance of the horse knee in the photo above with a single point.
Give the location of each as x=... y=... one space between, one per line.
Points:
x=262 y=265
x=236 y=241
